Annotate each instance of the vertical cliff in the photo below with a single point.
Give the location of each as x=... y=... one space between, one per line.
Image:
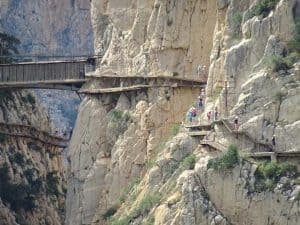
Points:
x=49 y=27
x=126 y=164
x=32 y=179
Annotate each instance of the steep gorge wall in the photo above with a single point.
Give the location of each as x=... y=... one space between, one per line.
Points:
x=54 y=27
x=136 y=38
x=154 y=37
x=173 y=38
x=32 y=176
x=266 y=102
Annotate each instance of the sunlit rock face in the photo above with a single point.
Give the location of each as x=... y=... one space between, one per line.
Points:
x=32 y=184
x=53 y=27
x=150 y=37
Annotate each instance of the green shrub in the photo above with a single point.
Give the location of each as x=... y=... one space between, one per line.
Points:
x=228 y=161
x=19 y=196
x=110 y=212
x=8 y=48
x=277 y=63
x=269 y=173
x=119 y=121
x=17 y=158
x=6 y=96
x=264 y=7
x=189 y=162
x=150 y=221
x=146 y=205
x=175 y=129
x=2 y=138
x=135 y=182
x=52 y=181
x=294 y=44
x=29 y=98
x=29 y=174
x=237 y=21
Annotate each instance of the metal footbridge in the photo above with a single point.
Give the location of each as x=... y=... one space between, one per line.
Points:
x=65 y=73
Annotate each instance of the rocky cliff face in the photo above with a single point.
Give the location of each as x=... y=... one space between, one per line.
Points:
x=126 y=166
x=32 y=176
x=52 y=27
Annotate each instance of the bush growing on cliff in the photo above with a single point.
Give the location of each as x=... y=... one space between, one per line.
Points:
x=52 y=181
x=6 y=96
x=237 y=21
x=228 y=161
x=2 y=138
x=29 y=98
x=134 y=183
x=110 y=212
x=278 y=63
x=147 y=203
x=294 y=44
x=175 y=129
x=143 y=208
x=269 y=173
x=264 y=7
x=189 y=162
x=19 y=196
x=17 y=158
x=119 y=121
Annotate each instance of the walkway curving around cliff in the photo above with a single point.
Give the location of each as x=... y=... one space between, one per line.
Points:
x=202 y=132
x=26 y=131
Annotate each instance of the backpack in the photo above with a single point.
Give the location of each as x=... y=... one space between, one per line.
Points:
x=194 y=112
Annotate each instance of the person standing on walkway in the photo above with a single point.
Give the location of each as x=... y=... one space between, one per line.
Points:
x=216 y=114
x=273 y=141
x=236 y=123
x=208 y=116
x=190 y=116
x=200 y=102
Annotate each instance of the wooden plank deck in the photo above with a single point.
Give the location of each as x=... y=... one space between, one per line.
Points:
x=113 y=90
x=198 y=133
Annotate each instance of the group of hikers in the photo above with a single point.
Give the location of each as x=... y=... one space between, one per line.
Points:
x=211 y=115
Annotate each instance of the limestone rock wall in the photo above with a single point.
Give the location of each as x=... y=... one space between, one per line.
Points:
x=54 y=27
x=122 y=137
x=32 y=176
x=266 y=102
x=114 y=139
x=154 y=37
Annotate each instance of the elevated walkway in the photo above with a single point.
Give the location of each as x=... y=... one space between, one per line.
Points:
x=117 y=84
x=45 y=74
x=274 y=156
x=231 y=130
x=113 y=90
x=198 y=133
x=26 y=131
x=215 y=145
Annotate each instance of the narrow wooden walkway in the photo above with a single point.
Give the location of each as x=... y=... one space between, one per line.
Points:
x=118 y=84
x=26 y=131
x=113 y=90
x=215 y=145
x=231 y=130
x=273 y=155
